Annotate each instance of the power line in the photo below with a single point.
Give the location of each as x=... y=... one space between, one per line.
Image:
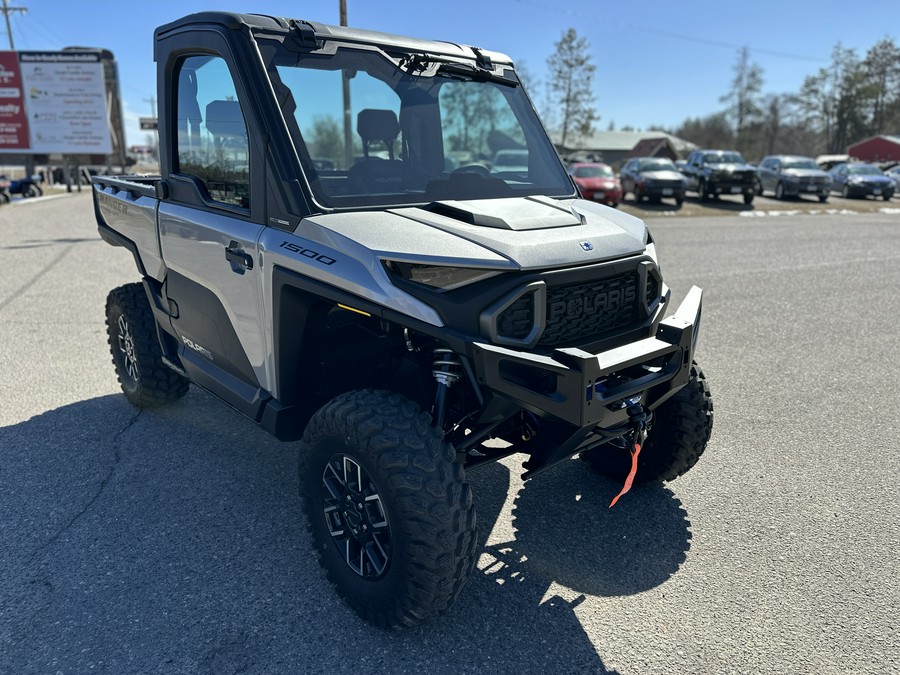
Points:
x=7 y=10
x=676 y=36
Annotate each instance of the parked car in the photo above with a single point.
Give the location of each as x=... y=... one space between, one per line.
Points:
x=894 y=172
x=718 y=172
x=597 y=182
x=652 y=178
x=858 y=179
x=510 y=161
x=793 y=176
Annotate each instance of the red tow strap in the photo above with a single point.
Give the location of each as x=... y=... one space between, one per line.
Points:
x=630 y=478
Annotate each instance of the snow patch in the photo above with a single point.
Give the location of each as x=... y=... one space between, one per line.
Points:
x=797 y=212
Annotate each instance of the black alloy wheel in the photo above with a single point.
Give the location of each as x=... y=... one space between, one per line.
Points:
x=355 y=516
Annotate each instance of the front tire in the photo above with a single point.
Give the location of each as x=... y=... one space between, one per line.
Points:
x=748 y=198
x=388 y=507
x=702 y=190
x=779 y=191
x=131 y=330
x=681 y=429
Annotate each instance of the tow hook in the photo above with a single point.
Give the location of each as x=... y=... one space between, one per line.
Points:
x=640 y=420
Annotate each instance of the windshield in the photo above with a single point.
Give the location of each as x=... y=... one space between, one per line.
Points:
x=658 y=165
x=418 y=129
x=593 y=171
x=724 y=158
x=800 y=164
x=864 y=170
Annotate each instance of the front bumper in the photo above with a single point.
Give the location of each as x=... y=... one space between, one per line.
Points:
x=730 y=187
x=589 y=391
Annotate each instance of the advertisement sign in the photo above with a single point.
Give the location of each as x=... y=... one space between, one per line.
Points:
x=53 y=102
x=13 y=122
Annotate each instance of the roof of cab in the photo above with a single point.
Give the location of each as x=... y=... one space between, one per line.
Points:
x=262 y=23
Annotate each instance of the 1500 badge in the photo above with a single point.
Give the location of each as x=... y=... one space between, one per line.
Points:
x=308 y=253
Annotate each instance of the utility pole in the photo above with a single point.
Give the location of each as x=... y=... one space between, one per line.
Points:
x=7 y=10
x=348 y=117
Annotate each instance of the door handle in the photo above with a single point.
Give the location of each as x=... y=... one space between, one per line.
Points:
x=237 y=256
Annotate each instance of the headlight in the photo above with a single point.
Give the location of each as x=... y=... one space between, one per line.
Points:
x=438 y=276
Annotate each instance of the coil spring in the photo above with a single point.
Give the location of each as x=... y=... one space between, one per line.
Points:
x=446 y=366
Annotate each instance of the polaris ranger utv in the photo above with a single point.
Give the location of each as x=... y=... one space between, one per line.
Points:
x=330 y=251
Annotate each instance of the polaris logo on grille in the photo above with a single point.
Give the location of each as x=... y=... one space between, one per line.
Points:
x=590 y=304
x=586 y=245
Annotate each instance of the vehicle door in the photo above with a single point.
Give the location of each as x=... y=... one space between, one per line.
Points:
x=692 y=170
x=767 y=173
x=209 y=226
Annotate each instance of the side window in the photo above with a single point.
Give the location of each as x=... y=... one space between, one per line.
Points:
x=212 y=134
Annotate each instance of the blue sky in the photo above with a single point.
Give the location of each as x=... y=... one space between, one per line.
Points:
x=658 y=62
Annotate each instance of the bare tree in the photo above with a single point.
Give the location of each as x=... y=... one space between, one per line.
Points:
x=882 y=72
x=744 y=104
x=571 y=85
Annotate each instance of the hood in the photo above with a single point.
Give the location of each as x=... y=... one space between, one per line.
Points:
x=522 y=233
x=595 y=182
x=732 y=167
x=666 y=174
x=806 y=173
x=870 y=178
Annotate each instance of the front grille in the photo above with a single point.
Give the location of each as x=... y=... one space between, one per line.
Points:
x=586 y=310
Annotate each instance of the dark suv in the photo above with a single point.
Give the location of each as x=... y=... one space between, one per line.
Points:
x=720 y=172
x=792 y=176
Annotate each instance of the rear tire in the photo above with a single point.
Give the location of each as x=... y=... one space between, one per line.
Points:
x=388 y=507
x=681 y=429
x=702 y=190
x=32 y=191
x=748 y=198
x=131 y=329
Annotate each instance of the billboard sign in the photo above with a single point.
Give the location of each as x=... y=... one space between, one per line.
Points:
x=148 y=123
x=53 y=102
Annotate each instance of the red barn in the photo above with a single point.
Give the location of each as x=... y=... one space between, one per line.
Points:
x=877 y=149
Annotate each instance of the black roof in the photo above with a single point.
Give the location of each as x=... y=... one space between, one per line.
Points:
x=262 y=23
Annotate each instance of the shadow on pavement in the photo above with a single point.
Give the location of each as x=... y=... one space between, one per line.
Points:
x=171 y=540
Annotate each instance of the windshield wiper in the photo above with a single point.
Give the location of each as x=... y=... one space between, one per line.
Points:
x=419 y=63
x=464 y=71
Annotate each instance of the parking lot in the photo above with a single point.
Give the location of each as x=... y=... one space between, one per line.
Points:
x=762 y=206
x=171 y=540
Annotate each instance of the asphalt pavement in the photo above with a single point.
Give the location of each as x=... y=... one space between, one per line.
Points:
x=171 y=540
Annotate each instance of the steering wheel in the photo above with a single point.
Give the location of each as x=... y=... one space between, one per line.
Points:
x=477 y=169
